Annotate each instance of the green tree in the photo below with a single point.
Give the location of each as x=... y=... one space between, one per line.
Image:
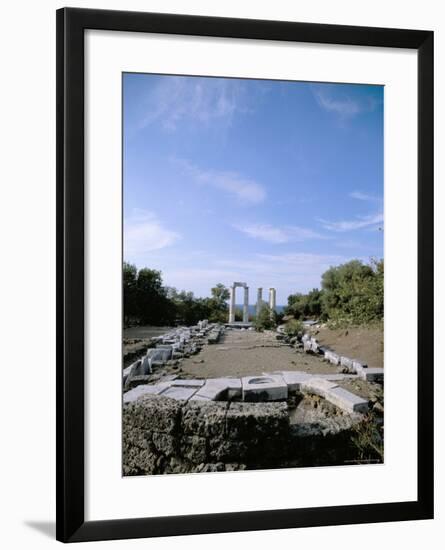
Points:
x=266 y=319
x=217 y=304
x=354 y=291
x=293 y=327
x=130 y=292
x=220 y=294
x=153 y=305
x=314 y=303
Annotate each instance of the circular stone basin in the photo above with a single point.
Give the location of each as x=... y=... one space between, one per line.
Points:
x=262 y=380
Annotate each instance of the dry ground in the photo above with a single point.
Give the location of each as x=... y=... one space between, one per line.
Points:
x=362 y=343
x=245 y=353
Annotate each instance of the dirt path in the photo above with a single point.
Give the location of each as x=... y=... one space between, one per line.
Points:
x=245 y=353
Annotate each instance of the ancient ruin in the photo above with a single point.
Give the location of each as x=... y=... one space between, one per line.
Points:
x=259 y=302
x=279 y=418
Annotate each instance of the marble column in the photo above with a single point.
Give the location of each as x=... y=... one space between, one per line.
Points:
x=246 y=305
x=259 y=301
x=272 y=298
x=232 y=305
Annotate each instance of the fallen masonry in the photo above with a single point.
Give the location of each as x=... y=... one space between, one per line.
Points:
x=173 y=345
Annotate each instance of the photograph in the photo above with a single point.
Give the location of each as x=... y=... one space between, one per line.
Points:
x=253 y=274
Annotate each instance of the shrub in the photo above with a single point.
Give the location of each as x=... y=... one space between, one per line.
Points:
x=266 y=319
x=293 y=327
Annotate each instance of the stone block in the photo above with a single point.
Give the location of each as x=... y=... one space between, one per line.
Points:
x=127 y=371
x=332 y=357
x=346 y=362
x=156 y=354
x=189 y=383
x=204 y=418
x=228 y=450
x=146 y=365
x=166 y=351
x=314 y=345
x=164 y=443
x=213 y=337
x=252 y=421
x=153 y=413
x=317 y=386
x=135 y=369
x=179 y=393
x=346 y=400
x=294 y=379
x=219 y=388
x=194 y=448
x=337 y=377
x=141 y=390
x=358 y=366
x=307 y=346
x=197 y=397
x=372 y=375
x=264 y=388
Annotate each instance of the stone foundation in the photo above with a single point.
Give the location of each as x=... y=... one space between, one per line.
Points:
x=163 y=435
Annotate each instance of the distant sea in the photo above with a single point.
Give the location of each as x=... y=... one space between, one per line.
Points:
x=252 y=308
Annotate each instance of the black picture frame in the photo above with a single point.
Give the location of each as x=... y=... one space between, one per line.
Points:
x=71 y=24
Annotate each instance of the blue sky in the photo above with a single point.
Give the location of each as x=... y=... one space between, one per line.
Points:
x=267 y=182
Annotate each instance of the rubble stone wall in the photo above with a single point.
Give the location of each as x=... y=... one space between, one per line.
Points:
x=163 y=435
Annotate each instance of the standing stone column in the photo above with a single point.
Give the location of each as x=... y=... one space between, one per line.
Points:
x=272 y=298
x=232 y=305
x=246 y=305
x=259 y=301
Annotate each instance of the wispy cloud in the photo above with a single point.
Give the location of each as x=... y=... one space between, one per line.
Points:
x=143 y=232
x=287 y=272
x=244 y=189
x=364 y=197
x=345 y=104
x=359 y=222
x=278 y=235
x=194 y=99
